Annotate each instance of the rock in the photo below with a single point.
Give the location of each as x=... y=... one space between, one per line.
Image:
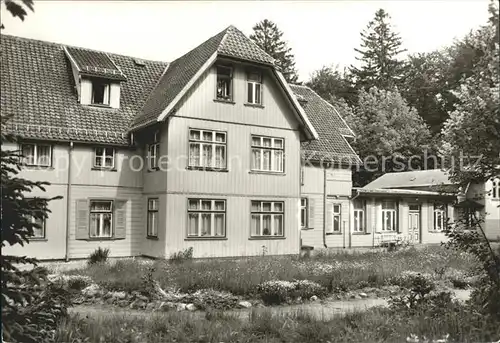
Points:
x=363 y=295
x=352 y=296
x=313 y=298
x=123 y=303
x=244 y=304
x=91 y=291
x=143 y=298
x=150 y=306
x=166 y=306
x=191 y=307
x=181 y=307
x=119 y=295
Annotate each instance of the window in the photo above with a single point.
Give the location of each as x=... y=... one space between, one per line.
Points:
x=254 y=88
x=359 y=216
x=104 y=158
x=153 y=155
x=152 y=218
x=267 y=219
x=206 y=218
x=101 y=219
x=38 y=233
x=207 y=149
x=100 y=93
x=224 y=83
x=336 y=219
x=496 y=189
x=303 y=213
x=389 y=215
x=439 y=217
x=37 y=154
x=267 y=154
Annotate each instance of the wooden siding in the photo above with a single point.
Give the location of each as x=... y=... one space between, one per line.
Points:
x=238 y=241
x=199 y=102
x=155 y=182
x=150 y=246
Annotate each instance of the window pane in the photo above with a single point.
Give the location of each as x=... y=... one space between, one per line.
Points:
x=194 y=134
x=43 y=152
x=266 y=225
x=266 y=142
x=106 y=232
x=98 y=161
x=194 y=154
x=110 y=152
x=220 y=156
x=278 y=207
x=278 y=143
x=206 y=205
x=207 y=136
x=153 y=204
x=99 y=151
x=194 y=204
x=266 y=165
x=278 y=225
x=108 y=161
x=153 y=224
x=266 y=207
x=255 y=141
x=206 y=224
x=100 y=206
x=219 y=224
x=278 y=160
x=256 y=159
x=207 y=155
x=359 y=204
x=336 y=209
x=29 y=153
x=94 y=224
x=255 y=225
x=336 y=223
x=255 y=206
x=257 y=93
x=193 y=219
x=39 y=232
x=250 y=93
x=219 y=205
x=220 y=137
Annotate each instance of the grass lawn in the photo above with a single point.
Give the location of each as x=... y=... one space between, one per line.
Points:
x=335 y=272
x=376 y=325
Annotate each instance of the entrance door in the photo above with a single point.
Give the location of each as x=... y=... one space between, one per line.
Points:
x=414 y=223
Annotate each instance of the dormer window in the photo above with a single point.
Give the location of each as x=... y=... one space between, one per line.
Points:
x=254 y=88
x=224 y=83
x=100 y=92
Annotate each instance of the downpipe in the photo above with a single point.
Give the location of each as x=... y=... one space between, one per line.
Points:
x=68 y=200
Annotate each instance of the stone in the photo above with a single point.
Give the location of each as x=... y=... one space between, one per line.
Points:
x=123 y=303
x=119 y=295
x=191 y=307
x=313 y=298
x=91 y=291
x=363 y=295
x=166 y=306
x=244 y=304
x=181 y=307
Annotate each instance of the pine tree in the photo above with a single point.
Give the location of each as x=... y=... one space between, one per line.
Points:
x=379 y=50
x=269 y=38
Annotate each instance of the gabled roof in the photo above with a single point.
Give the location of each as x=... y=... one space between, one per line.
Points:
x=95 y=63
x=411 y=179
x=184 y=71
x=38 y=92
x=330 y=126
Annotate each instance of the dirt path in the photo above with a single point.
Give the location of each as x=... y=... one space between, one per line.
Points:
x=321 y=310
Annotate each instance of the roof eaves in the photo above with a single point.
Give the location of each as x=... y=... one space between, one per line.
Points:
x=312 y=133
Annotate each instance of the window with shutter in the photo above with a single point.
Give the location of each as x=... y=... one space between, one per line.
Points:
x=310 y=215
x=120 y=219
x=82 y=219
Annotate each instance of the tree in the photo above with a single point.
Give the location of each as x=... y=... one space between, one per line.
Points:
x=269 y=38
x=330 y=84
x=379 y=52
x=390 y=135
x=28 y=311
x=473 y=132
x=16 y=8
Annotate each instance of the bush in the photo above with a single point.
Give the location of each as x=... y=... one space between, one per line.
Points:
x=98 y=256
x=181 y=256
x=212 y=299
x=277 y=292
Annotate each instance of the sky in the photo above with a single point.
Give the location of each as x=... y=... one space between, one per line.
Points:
x=319 y=32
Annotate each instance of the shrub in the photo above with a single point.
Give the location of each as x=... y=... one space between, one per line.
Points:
x=277 y=292
x=181 y=256
x=98 y=256
x=212 y=299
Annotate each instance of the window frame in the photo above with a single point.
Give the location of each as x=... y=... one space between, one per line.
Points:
x=35 y=154
x=357 y=226
x=304 y=209
x=444 y=216
x=495 y=182
x=273 y=213
x=212 y=211
x=154 y=147
x=201 y=143
x=106 y=93
x=152 y=211
x=223 y=76
x=104 y=156
x=334 y=214
x=252 y=84
x=393 y=212
x=262 y=149
x=102 y=212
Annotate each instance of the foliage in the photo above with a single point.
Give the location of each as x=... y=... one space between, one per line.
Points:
x=333 y=85
x=98 y=256
x=21 y=214
x=212 y=299
x=389 y=135
x=184 y=255
x=379 y=52
x=17 y=8
x=269 y=38
x=277 y=292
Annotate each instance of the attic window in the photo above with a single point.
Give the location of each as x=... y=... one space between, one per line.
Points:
x=224 y=83
x=100 y=93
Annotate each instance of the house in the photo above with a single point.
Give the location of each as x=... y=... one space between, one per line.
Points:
x=439 y=201
x=152 y=158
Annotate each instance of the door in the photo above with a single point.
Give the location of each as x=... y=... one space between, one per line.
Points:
x=414 y=223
